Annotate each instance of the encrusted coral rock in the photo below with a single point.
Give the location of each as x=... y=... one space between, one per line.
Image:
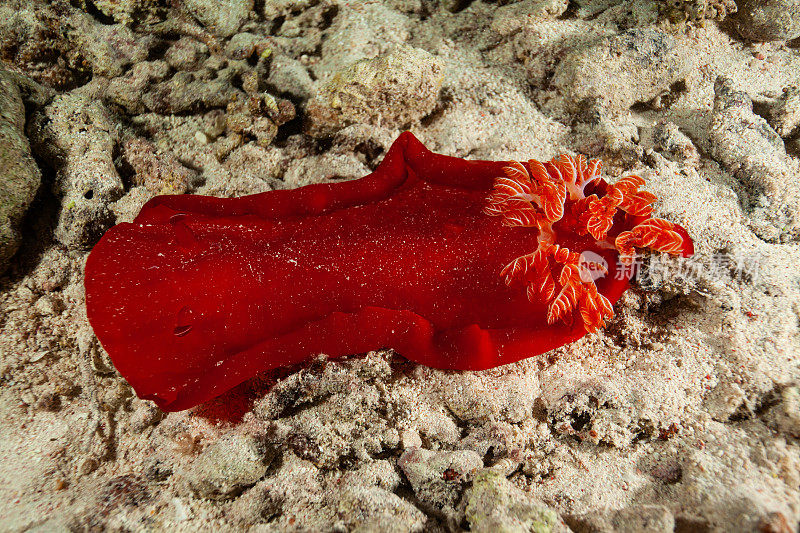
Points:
x=495 y=504
x=76 y=135
x=223 y=18
x=19 y=175
x=769 y=20
x=617 y=72
x=33 y=40
x=392 y=90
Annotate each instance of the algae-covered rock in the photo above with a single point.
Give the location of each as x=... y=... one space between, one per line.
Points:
x=19 y=175
x=769 y=20
x=698 y=10
x=494 y=504
x=392 y=91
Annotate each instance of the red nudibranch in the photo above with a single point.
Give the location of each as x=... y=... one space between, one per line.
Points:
x=429 y=255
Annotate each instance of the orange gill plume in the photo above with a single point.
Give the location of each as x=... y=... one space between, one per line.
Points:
x=536 y=195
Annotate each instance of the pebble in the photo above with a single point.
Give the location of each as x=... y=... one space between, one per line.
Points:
x=228 y=466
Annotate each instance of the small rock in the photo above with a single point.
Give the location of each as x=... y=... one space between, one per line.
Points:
x=754 y=153
x=108 y=49
x=788 y=411
x=644 y=519
x=439 y=477
x=635 y=66
x=145 y=415
x=724 y=400
x=247 y=45
x=49 y=305
x=20 y=177
x=784 y=116
x=228 y=466
x=257 y=504
x=768 y=20
x=323 y=168
x=87 y=465
x=375 y=509
x=291 y=77
x=221 y=17
x=674 y=144
x=494 y=504
x=159 y=172
x=187 y=53
x=391 y=90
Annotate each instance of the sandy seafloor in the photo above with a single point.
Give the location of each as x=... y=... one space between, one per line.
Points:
x=682 y=415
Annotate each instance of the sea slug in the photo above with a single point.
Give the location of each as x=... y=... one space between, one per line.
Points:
x=425 y=255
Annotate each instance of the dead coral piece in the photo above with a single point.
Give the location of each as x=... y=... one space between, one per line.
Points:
x=76 y=135
x=222 y=18
x=784 y=116
x=159 y=172
x=109 y=50
x=635 y=66
x=439 y=477
x=258 y=116
x=697 y=10
x=20 y=177
x=188 y=92
x=392 y=91
x=126 y=91
x=754 y=153
x=768 y=20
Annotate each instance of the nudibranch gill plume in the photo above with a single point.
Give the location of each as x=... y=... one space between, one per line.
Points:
x=566 y=196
